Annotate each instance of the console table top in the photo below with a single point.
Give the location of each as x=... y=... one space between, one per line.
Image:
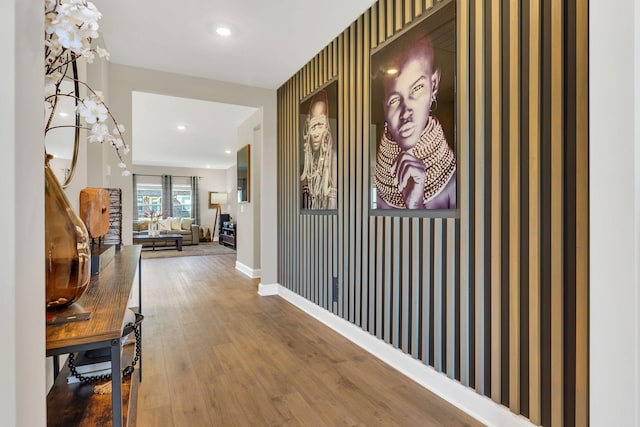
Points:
x=106 y=297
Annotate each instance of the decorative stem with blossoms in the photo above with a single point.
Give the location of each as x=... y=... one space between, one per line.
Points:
x=70 y=26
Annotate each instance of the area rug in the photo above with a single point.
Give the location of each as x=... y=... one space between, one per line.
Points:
x=206 y=248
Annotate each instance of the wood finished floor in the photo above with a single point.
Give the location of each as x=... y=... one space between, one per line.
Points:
x=217 y=354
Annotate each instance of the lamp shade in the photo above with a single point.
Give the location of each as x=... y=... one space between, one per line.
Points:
x=216 y=198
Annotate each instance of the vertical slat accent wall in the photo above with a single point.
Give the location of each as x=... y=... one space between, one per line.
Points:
x=495 y=297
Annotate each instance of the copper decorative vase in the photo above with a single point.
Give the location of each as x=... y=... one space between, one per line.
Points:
x=67 y=251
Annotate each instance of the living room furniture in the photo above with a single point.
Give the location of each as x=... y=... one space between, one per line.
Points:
x=228 y=236
x=163 y=239
x=106 y=299
x=224 y=219
x=215 y=200
x=188 y=229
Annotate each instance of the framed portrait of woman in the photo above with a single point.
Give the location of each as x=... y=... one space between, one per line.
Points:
x=413 y=104
x=318 y=150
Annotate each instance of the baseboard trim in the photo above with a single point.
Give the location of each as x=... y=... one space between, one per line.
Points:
x=268 y=290
x=480 y=407
x=248 y=271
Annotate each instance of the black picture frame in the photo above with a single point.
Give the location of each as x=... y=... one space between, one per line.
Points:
x=396 y=67
x=243 y=165
x=318 y=170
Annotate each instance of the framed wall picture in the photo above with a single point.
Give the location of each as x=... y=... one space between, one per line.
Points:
x=243 y=173
x=413 y=149
x=318 y=149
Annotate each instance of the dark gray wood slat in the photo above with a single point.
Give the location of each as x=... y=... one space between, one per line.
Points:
x=364 y=170
x=360 y=206
x=353 y=184
x=396 y=284
x=438 y=260
x=380 y=262
x=427 y=286
x=372 y=295
x=450 y=330
x=416 y=287
x=386 y=282
x=405 y=284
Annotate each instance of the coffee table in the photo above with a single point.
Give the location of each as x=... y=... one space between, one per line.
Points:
x=142 y=238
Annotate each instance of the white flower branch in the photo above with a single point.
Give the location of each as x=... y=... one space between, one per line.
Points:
x=70 y=27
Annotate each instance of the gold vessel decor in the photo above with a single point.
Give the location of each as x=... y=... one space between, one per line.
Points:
x=67 y=252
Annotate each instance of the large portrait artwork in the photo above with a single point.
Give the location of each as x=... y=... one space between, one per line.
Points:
x=318 y=149
x=413 y=116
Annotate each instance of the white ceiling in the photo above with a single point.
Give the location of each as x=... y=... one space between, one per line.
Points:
x=203 y=143
x=271 y=41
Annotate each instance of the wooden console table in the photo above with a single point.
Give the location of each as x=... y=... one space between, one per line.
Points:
x=107 y=299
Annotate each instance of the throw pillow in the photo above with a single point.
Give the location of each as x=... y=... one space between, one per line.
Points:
x=175 y=223
x=186 y=223
x=164 y=224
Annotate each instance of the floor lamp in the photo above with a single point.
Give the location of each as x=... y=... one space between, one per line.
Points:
x=215 y=200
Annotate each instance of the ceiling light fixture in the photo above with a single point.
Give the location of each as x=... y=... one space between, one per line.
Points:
x=227 y=151
x=223 y=31
x=181 y=127
x=392 y=71
x=62 y=114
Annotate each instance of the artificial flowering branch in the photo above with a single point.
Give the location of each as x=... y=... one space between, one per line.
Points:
x=70 y=27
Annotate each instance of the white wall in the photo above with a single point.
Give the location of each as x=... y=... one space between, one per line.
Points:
x=22 y=377
x=615 y=212
x=98 y=78
x=211 y=180
x=248 y=214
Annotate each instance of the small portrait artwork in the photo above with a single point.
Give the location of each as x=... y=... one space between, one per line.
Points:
x=318 y=150
x=413 y=114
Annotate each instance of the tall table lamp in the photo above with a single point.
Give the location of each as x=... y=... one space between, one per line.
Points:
x=215 y=200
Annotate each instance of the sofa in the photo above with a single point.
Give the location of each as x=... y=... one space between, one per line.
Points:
x=186 y=227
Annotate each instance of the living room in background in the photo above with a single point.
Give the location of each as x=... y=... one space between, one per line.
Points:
x=165 y=195
x=215 y=200
x=181 y=197
x=147 y=195
x=166 y=209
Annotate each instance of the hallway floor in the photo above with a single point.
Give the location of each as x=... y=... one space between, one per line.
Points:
x=215 y=353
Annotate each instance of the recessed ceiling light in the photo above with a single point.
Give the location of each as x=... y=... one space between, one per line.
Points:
x=223 y=31
x=62 y=114
x=181 y=127
x=392 y=71
x=227 y=151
